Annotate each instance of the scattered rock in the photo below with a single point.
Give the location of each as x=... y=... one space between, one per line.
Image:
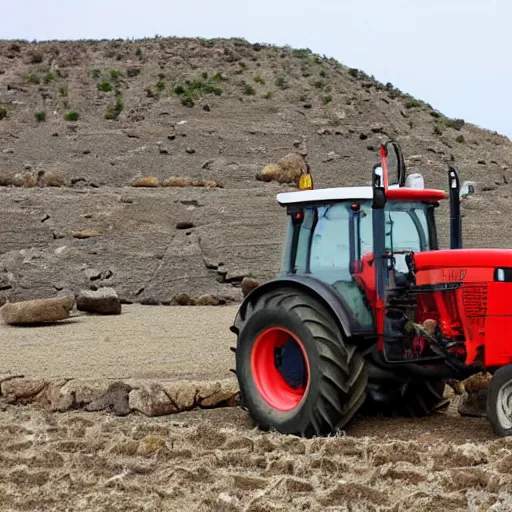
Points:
x=103 y=301
x=6 y=151
x=149 y=301
x=36 y=311
x=377 y=128
x=17 y=180
x=185 y=225
x=146 y=181
x=206 y=108
x=175 y=181
x=115 y=400
x=287 y=170
x=182 y=299
x=163 y=150
x=249 y=284
x=270 y=172
x=21 y=390
x=92 y=274
x=363 y=136
x=5 y=180
x=474 y=402
x=481 y=162
x=85 y=233
x=208 y=300
x=415 y=158
x=151 y=400
x=190 y=150
x=54 y=179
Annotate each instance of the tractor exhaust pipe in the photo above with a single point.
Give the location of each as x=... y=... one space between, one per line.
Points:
x=455 y=218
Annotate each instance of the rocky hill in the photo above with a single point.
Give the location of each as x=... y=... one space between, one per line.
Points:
x=81 y=122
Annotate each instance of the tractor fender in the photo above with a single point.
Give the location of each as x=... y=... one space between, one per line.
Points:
x=323 y=292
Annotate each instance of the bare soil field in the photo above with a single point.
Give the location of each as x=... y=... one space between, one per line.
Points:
x=144 y=342
x=215 y=459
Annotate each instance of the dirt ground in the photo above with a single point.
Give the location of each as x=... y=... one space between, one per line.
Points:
x=215 y=459
x=157 y=342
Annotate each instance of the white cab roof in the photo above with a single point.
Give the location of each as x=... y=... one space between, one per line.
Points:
x=326 y=194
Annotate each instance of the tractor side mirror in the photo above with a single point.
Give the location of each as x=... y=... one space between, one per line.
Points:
x=467 y=189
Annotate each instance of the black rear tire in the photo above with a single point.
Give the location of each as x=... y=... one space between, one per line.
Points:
x=338 y=373
x=412 y=398
x=499 y=401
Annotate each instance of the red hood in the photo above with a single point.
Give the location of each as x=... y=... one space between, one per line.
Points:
x=467 y=258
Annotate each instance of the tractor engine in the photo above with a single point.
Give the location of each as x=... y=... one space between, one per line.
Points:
x=462 y=305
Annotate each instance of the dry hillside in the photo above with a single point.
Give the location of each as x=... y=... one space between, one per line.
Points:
x=89 y=117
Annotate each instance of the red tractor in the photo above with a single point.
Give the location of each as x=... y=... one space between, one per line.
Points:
x=368 y=315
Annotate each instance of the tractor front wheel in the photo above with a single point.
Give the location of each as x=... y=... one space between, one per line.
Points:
x=295 y=372
x=499 y=401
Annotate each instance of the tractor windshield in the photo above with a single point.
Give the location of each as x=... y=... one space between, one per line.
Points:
x=327 y=238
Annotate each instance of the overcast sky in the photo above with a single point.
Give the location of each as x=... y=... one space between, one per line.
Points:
x=453 y=54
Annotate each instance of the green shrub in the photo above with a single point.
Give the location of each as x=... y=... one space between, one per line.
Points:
x=249 y=90
x=267 y=95
x=105 y=86
x=71 y=116
x=114 y=111
x=95 y=73
x=33 y=79
x=456 y=124
x=50 y=76
x=460 y=139
x=437 y=130
x=327 y=99
x=115 y=75
x=192 y=90
x=259 y=80
x=63 y=91
x=40 y=116
x=412 y=103
x=3 y=111
x=280 y=82
x=302 y=53
x=138 y=53
x=160 y=85
x=219 y=77
x=323 y=73
x=353 y=72
x=319 y=84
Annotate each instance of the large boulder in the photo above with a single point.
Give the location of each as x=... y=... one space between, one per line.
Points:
x=37 y=311
x=287 y=170
x=103 y=301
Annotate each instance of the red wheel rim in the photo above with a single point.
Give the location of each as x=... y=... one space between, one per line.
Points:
x=270 y=384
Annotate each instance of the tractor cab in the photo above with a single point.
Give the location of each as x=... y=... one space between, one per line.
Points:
x=330 y=235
